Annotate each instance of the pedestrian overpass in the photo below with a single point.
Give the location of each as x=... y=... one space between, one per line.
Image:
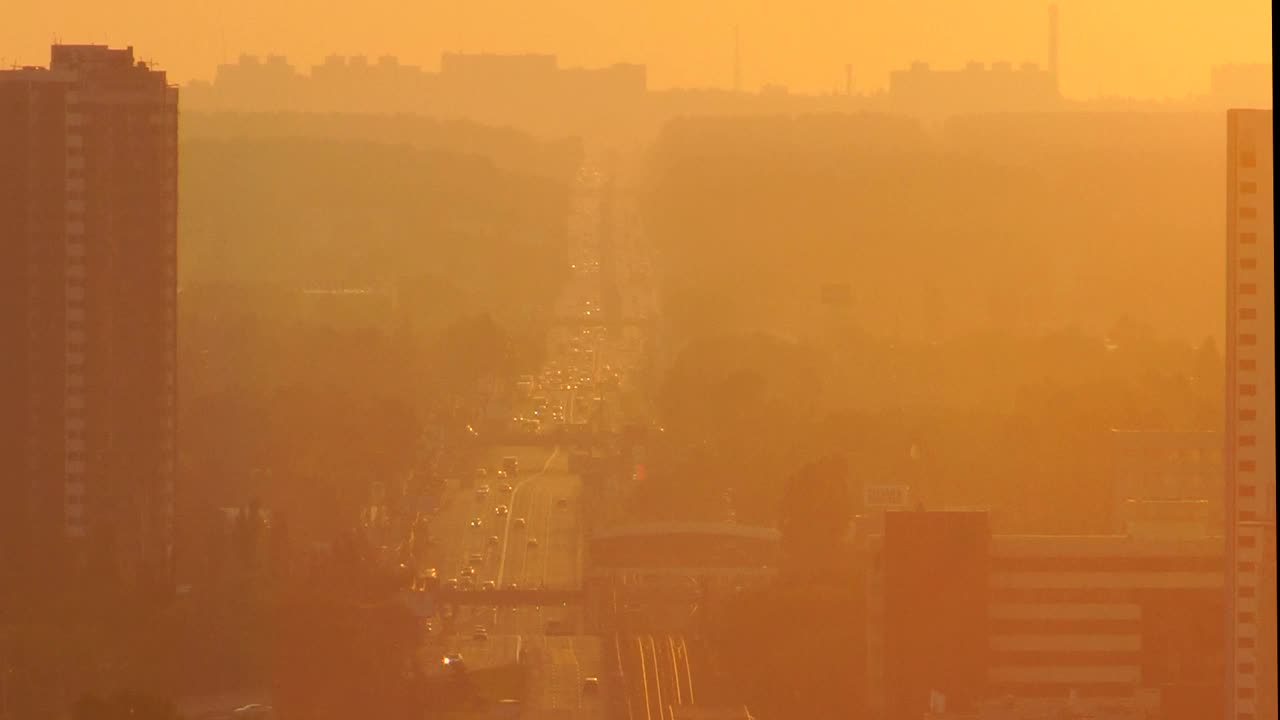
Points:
x=532 y=597
x=665 y=555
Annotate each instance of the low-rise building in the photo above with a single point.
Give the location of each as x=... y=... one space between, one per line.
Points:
x=956 y=612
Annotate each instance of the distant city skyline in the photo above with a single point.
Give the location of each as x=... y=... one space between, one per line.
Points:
x=1141 y=49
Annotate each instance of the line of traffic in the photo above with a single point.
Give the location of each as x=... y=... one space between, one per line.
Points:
x=506 y=530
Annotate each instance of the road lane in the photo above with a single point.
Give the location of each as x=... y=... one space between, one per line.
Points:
x=506 y=529
x=558 y=663
x=656 y=674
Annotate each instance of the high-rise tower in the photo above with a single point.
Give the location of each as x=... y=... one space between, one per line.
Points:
x=1250 y=450
x=88 y=261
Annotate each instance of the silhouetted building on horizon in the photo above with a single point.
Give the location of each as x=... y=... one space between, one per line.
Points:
x=1250 y=448
x=534 y=94
x=530 y=91
x=977 y=88
x=88 y=247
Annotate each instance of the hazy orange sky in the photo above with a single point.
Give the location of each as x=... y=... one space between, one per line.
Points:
x=1142 y=48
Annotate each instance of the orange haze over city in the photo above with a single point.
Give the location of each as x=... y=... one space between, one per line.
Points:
x=637 y=360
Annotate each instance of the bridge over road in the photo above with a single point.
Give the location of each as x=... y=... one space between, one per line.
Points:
x=531 y=597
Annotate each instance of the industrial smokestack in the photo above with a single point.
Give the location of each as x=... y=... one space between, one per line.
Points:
x=1053 y=44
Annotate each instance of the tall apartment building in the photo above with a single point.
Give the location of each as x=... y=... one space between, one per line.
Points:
x=88 y=250
x=1249 y=450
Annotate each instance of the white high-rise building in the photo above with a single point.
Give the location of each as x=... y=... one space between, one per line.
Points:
x=1250 y=450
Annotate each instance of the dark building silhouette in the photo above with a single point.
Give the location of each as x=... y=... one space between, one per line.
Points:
x=959 y=619
x=529 y=91
x=1250 y=457
x=975 y=88
x=88 y=230
x=935 y=569
x=921 y=90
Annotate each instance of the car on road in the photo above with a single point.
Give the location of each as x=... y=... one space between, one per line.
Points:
x=500 y=511
x=475 y=558
x=453 y=660
x=512 y=586
x=562 y=502
x=532 y=542
x=482 y=491
x=476 y=522
x=502 y=473
x=590 y=685
x=493 y=540
x=480 y=633
x=519 y=522
x=481 y=472
x=506 y=487
x=467 y=583
x=451 y=584
x=488 y=585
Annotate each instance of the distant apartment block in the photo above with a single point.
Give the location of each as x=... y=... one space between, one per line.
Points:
x=1250 y=450
x=88 y=231
x=977 y=88
x=1167 y=483
x=526 y=90
x=960 y=619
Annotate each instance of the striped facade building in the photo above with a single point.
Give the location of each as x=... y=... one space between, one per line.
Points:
x=1104 y=616
x=1250 y=450
x=1050 y=617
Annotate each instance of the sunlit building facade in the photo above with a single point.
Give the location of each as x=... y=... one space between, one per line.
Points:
x=1249 y=450
x=88 y=253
